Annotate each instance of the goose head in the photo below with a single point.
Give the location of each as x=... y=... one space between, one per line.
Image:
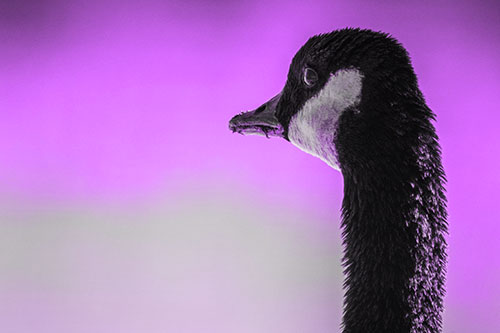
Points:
x=343 y=101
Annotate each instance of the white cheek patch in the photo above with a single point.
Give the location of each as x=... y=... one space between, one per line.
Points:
x=312 y=129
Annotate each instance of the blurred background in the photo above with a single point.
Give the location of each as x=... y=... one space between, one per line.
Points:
x=126 y=204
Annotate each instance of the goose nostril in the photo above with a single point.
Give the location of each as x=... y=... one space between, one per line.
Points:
x=260 y=109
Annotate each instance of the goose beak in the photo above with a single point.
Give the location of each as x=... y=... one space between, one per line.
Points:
x=261 y=121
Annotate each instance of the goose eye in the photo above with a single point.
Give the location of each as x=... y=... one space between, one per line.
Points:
x=310 y=76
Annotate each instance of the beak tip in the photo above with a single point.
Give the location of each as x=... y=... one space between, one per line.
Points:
x=261 y=121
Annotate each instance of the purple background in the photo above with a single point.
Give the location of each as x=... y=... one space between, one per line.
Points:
x=126 y=205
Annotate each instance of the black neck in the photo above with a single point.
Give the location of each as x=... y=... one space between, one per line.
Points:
x=394 y=258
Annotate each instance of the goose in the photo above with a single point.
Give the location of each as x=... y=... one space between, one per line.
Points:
x=352 y=99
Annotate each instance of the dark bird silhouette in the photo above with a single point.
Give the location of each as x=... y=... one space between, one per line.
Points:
x=352 y=99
